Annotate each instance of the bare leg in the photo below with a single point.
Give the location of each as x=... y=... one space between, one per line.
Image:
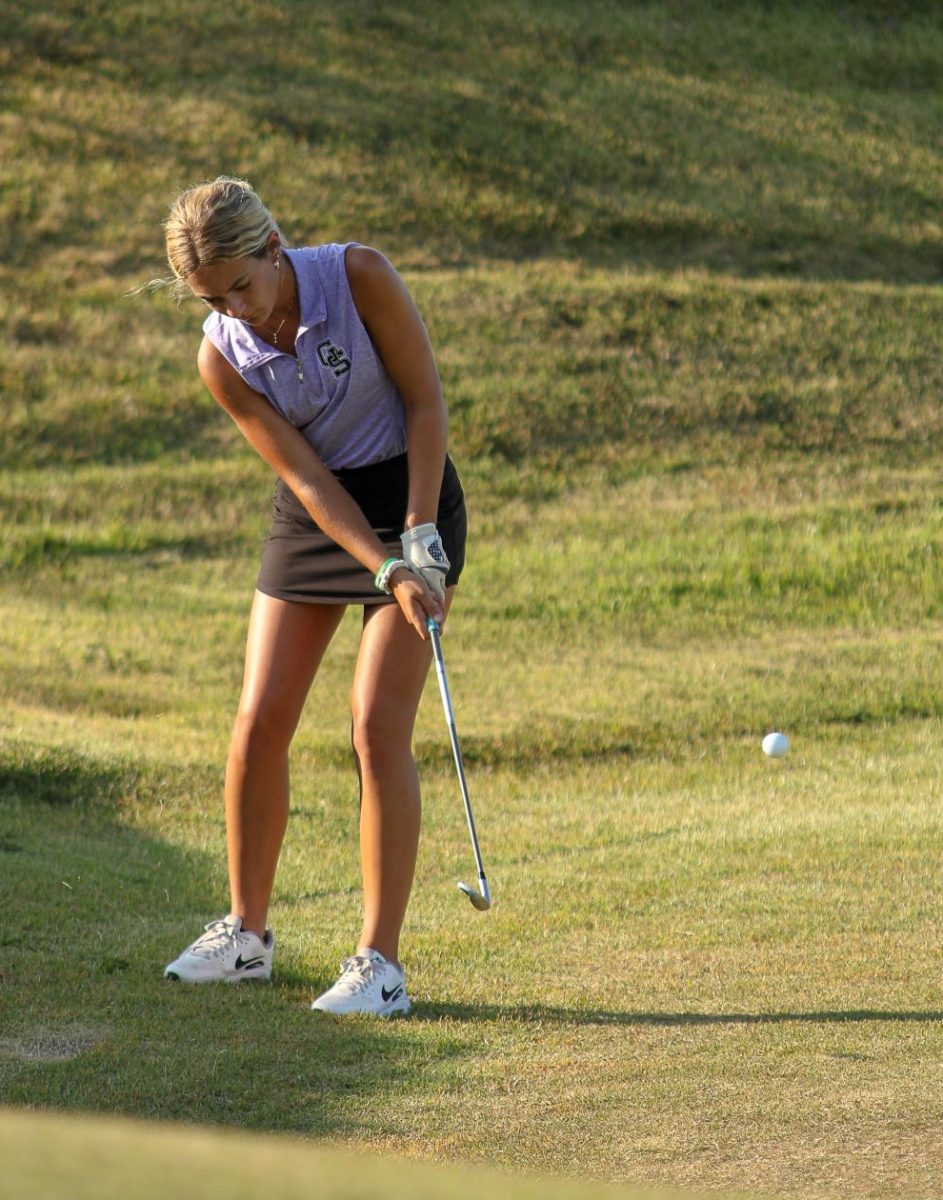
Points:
x=391 y=670
x=285 y=646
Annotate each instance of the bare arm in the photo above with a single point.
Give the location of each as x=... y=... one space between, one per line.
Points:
x=399 y=335
x=293 y=458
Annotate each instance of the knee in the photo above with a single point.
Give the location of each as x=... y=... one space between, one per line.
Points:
x=261 y=731
x=379 y=737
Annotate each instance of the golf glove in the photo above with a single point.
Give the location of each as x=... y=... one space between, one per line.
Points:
x=425 y=555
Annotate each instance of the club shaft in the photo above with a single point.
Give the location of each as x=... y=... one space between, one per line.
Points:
x=453 y=737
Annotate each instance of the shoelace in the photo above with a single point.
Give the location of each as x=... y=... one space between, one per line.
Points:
x=356 y=974
x=217 y=939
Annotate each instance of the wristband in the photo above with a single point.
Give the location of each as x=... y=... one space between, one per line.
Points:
x=382 y=578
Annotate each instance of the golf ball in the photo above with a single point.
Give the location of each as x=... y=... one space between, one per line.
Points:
x=775 y=745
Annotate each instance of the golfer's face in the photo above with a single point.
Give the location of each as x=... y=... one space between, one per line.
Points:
x=246 y=288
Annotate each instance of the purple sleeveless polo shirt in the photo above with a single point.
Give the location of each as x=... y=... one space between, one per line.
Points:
x=337 y=392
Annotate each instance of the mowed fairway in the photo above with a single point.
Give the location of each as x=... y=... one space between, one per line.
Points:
x=682 y=274
x=89 y=1158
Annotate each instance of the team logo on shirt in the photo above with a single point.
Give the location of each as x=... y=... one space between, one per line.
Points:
x=334 y=358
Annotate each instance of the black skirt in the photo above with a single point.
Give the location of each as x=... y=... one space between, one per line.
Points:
x=300 y=562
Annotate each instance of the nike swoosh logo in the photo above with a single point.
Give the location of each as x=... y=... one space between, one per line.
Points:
x=393 y=994
x=249 y=963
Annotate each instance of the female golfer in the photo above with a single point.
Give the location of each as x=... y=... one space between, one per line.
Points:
x=321 y=358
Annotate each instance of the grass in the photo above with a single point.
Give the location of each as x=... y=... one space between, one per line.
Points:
x=89 y=1159
x=680 y=267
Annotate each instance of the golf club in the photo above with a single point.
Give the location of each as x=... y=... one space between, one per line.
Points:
x=480 y=899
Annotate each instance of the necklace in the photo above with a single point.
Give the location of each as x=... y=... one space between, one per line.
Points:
x=291 y=305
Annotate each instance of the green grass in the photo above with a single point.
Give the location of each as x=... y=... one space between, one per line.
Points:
x=88 y=1159
x=759 y=139
x=680 y=264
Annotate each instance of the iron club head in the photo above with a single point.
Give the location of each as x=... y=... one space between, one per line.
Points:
x=481 y=902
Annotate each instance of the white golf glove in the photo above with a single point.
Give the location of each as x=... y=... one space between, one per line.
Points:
x=425 y=554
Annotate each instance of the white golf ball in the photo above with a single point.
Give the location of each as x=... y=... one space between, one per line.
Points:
x=775 y=745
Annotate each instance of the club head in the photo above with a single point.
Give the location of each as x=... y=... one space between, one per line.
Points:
x=482 y=903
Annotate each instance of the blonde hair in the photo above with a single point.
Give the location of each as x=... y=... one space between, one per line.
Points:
x=215 y=222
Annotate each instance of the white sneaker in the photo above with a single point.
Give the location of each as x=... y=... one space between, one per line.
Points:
x=368 y=983
x=224 y=952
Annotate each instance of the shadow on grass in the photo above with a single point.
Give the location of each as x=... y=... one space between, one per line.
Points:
x=550 y=142
x=145 y=434
x=540 y=1015
x=45 y=548
x=87 y=1022
x=58 y=777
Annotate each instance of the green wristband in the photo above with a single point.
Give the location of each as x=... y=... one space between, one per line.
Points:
x=382 y=578
x=379 y=575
